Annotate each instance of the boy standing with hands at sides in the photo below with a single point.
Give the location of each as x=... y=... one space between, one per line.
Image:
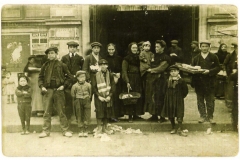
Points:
x=146 y=57
x=175 y=92
x=23 y=93
x=81 y=92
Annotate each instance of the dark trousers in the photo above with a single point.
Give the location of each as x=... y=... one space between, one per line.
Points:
x=24 y=111
x=205 y=93
x=69 y=108
x=83 y=108
x=54 y=98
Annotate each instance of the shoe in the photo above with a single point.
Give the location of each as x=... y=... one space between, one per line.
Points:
x=162 y=120
x=85 y=134
x=81 y=134
x=43 y=135
x=22 y=133
x=68 y=134
x=212 y=121
x=201 y=120
x=181 y=133
x=173 y=131
x=27 y=132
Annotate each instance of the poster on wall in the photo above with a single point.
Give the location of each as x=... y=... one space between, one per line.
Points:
x=15 y=51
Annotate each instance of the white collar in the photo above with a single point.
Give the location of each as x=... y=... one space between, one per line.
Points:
x=70 y=54
x=204 y=55
x=95 y=56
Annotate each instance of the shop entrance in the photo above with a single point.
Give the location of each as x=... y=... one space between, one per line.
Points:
x=123 y=27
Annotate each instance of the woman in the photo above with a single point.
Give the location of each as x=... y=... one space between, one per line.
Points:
x=220 y=81
x=155 y=81
x=132 y=78
x=32 y=70
x=115 y=67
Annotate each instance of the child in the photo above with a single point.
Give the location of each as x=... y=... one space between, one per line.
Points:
x=146 y=57
x=175 y=92
x=23 y=93
x=9 y=87
x=81 y=92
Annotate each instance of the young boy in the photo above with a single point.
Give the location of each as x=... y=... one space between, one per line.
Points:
x=23 y=93
x=81 y=92
x=146 y=57
x=9 y=87
x=175 y=92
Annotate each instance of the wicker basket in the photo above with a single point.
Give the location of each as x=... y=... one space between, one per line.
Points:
x=127 y=99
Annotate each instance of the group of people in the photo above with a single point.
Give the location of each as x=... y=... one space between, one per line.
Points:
x=69 y=86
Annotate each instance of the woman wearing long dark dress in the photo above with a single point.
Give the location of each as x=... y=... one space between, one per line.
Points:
x=132 y=80
x=115 y=67
x=155 y=81
x=220 y=81
x=32 y=70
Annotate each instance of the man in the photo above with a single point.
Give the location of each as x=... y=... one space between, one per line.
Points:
x=90 y=64
x=103 y=87
x=53 y=78
x=74 y=63
x=204 y=82
x=195 y=50
x=175 y=52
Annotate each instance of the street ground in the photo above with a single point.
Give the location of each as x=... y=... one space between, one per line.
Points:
x=197 y=144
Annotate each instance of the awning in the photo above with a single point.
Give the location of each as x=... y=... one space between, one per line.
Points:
x=231 y=31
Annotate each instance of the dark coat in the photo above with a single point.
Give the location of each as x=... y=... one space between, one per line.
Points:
x=24 y=98
x=178 y=51
x=102 y=111
x=74 y=64
x=174 y=100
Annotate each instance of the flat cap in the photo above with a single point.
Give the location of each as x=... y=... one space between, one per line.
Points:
x=173 y=67
x=174 y=41
x=102 y=61
x=205 y=42
x=96 y=44
x=80 y=72
x=234 y=44
x=72 y=43
x=194 y=42
x=55 y=49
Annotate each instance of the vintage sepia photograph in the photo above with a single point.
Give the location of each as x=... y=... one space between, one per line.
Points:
x=119 y=80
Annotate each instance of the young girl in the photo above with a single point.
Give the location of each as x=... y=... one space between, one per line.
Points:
x=24 y=99
x=175 y=92
x=81 y=91
x=9 y=87
x=146 y=56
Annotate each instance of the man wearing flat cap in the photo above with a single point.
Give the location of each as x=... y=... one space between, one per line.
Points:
x=204 y=82
x=74 y=63
x=175 y=52
x=90 y=64
x=53 y=78
x=195 y=49
x=103 y=87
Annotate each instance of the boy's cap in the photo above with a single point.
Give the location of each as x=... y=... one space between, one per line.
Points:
x=96 y=44
x=72 y=43
x=55 y=49
x=174 y=41
x=205 y=42
x=80 y=72
x=102 y=61
x=147 y=42
x=173 y=67
x=194 y=42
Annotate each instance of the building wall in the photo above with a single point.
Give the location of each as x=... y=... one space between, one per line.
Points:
x=214 y=18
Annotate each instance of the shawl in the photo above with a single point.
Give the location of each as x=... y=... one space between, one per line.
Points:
x=133 y=59
x=173 y=81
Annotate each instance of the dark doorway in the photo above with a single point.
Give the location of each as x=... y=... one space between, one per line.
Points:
x=123 y=27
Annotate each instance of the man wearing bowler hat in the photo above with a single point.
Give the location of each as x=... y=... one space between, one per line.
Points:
x=175 y=52
x=90 y=64
x=74 y=63
x=204 y=82
x=53 y=78
x=195 y=49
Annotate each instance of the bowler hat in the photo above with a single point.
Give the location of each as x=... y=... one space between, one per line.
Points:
x=72 y=43
x=96 y=44
x=102 y=61
x=80 y=72
x=194 y=42
x=205 y=42
x=173 y=67
x=174 y=41
x=55 y=49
